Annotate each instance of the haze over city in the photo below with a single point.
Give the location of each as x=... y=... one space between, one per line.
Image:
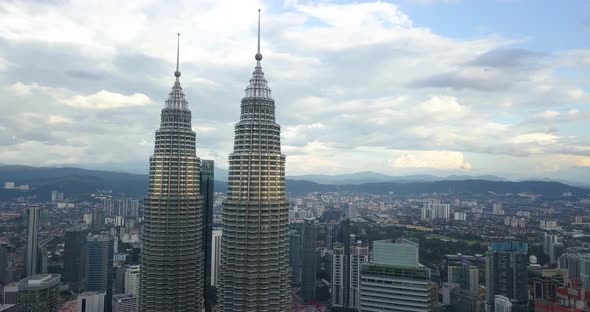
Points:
x=403 y=87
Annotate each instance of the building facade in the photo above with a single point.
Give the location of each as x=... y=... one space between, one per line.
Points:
x=32 y=251
x=132 y=280
x=507 y=274
x=125 y=303
x=359 y=254
x=172 y=256
x=207 y=190
x=255 y=274
x=75 y=257
x=99 y=266
x=295 y=256
x=39 y=293
x=308 y=259
x=215 y=257
x=91 y=302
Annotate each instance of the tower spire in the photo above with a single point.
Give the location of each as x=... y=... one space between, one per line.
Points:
x=258 y=56
x=177 y=72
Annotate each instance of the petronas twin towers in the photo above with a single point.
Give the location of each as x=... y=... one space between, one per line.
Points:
x=254 y=273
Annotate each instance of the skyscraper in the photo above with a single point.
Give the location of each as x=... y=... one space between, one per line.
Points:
x=99 y=266
x=308 y=259
x=295 y=256
x=359 y=254
x=207 y=184
x=255 y=273
x=75 y=256
x=215 y=257
x=507 y=274
x=172 y=257
x=32 y=240
x=132 y=280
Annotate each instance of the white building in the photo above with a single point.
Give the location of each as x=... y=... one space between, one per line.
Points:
x=460 y=216
x=432 y=211
x=502 y=304
x=88 y=218
x=352 y=211
x=548 y=225
x=132 y=280
x=497 y=209
x=9 y=185
x=215 y=256
x=339 y=276
x=91 y=301
x=358 y=255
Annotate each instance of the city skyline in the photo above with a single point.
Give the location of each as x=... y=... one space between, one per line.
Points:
x=386 y=87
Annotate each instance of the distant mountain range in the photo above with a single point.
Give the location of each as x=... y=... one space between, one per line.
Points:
x=76 y=182
x=373 y=177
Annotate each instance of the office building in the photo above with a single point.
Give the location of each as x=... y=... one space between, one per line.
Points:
x=172 y=256
x=295 y=256
x=92 y=301
x=207 y=185
x=132 y=280
x=39 y=293
x=75 y=257
x=359 y=254
x=507 y=274
x=125 y=303
x=308 y=259
x=32 y=251
x=99 y=266
x=395 y=282
x=215 y=257
x=255 y=211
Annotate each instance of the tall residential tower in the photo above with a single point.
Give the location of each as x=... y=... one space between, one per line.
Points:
x=255 y=273
x=172 y=257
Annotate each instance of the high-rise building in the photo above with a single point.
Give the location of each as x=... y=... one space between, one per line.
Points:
x=507 y=274
x=57 y=196
x=32 y=252
x=295 y=256
x=359 y=254
x=308 y=259
x=255 y=274
x=571 y=263
x=395 y=281
x=39 y=293
x=585 y=270
x=339 y=276
x=125 y=303
x=91 y=301
x=467 y=277
x=132 y=280
x=99 y=266
x=207 y=190
x=172 y=256
x=75 y=257
x=433 y=211
x=215 y=257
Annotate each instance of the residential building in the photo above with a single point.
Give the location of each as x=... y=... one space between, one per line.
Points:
x=132 y=280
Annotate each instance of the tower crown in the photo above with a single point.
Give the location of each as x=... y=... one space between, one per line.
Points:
x=176 y=99
x=258 y=86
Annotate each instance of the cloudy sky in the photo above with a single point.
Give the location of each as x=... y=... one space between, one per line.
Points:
x=411 y=86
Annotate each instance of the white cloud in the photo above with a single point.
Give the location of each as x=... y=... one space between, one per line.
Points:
x=548 y=115
x=542 y=138
x=106 y=100
x=445 y=160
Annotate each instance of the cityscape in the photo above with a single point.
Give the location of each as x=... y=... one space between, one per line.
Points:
x=447 y=223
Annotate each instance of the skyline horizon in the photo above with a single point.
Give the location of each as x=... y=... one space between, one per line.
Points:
x=459 y=119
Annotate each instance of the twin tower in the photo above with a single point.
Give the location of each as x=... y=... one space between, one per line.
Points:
x=254 y=273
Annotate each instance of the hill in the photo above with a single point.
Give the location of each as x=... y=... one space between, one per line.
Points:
x=77 y=183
